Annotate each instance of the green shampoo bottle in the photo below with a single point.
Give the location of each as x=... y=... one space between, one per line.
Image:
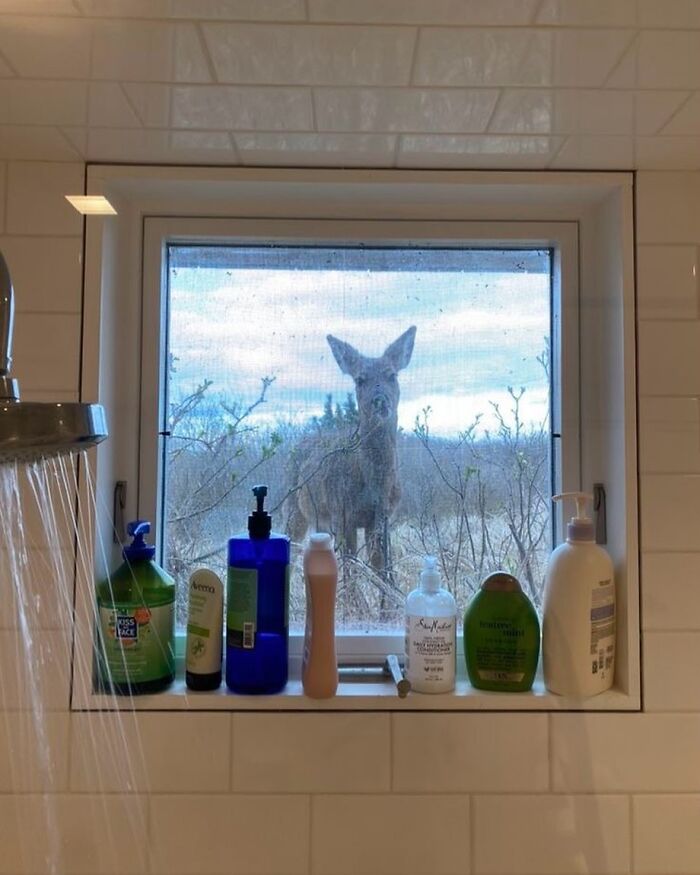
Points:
x=501 y=636
x=136 y=616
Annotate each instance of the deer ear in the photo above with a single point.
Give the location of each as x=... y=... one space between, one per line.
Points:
x=348 y=358
x=399 y=352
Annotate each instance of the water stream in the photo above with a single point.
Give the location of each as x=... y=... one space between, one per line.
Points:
x=52 y=754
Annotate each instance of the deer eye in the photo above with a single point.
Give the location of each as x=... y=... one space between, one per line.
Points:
x=361 y=380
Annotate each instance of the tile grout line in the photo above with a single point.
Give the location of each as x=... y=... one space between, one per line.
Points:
x=204 y=48
x=5 y=195
x=633 y=867
x=231 y=749
x=414 y=59
x=310 y=839
x=472 y=833
x=689 y=96
x=392 y=729
x=549 y=754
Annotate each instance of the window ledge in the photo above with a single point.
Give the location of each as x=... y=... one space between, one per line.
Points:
x=362 y=696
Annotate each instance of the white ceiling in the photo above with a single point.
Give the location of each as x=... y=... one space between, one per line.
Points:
x=364 y=83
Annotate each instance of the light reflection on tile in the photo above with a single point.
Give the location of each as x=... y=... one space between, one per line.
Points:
x=456 y=12
x=415 y=110
x=227 y=107
x=524 y=112
x=483 y=57
x=328 y=150
x=588 y=13
x=310 y=55
x=232 y=10
x=468 y=152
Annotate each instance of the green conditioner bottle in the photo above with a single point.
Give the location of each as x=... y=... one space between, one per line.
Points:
x=501 y=636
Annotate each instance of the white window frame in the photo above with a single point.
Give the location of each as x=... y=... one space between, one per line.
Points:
x=576 y=215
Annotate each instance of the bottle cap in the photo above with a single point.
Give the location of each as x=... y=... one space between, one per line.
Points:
x=430 y=576
x=138 y=548
x=320 y=541
x=580 y=526
x=260 y=521
x=501 y=581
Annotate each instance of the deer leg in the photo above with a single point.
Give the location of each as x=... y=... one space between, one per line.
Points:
x=375 y=546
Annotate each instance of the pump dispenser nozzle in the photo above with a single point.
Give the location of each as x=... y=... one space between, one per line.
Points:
x=580 y=527
x=138 y=548
x=430 y=576
x=260 y=521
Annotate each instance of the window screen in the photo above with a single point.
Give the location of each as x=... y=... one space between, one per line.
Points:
x=399 y=397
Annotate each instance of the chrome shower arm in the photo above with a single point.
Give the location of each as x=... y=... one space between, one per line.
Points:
x=7 y=318
x=9 y=388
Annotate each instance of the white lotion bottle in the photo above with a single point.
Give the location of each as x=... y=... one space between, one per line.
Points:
x=205 y=623
x=431 y=634
x=319 y=669
x=578 y=628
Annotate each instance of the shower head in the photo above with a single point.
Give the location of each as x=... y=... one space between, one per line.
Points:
x=31 y=430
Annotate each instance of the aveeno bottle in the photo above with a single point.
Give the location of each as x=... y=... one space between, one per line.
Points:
x=431 y=626
x=578 y=630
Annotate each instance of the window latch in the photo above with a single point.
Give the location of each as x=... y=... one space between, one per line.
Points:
x=118 y=509
x=600 y=511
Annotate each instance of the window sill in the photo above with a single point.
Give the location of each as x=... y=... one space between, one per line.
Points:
x=362 y=696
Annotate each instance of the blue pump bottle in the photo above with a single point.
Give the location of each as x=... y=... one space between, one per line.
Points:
x=257 y=611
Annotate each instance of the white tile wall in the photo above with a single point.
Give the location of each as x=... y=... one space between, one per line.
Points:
x=311 y=753
x=229 y=834
x=470 y=752
x=551 y=835
x=469 y=793
x=412 y=835
x=666 y=838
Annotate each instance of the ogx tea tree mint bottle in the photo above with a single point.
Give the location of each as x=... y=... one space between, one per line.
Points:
x=431 y=626
x=501 y=636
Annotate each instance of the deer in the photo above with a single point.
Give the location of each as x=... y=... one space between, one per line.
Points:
x=351 y=481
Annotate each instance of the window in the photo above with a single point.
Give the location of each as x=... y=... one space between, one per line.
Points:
x=442 y=445
x=264 y=348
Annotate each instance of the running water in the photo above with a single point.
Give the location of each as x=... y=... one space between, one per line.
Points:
x=48 y=539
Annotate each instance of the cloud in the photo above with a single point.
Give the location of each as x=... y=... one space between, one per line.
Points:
x=477 y=334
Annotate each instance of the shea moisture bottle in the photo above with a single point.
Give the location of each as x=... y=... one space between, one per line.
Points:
x=136 y=609
x=501 y=636
x=257 y=610
x=578 y=628
x=431 y=626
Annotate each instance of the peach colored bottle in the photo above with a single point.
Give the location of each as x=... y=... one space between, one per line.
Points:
x=319 y=670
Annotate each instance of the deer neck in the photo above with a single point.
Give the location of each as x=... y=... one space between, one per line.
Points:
x=379 y=445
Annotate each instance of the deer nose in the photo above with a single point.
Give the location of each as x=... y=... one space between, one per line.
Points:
x=380 y=403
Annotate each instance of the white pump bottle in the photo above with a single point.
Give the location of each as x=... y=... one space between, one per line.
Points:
x=431 y=626
x=578 y=629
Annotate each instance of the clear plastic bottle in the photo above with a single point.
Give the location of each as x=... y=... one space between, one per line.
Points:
x=431 y=626
x=257 y=610
x=578 y=628
x=319 y=671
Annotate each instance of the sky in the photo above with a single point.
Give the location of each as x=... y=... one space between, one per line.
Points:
x=478 y=332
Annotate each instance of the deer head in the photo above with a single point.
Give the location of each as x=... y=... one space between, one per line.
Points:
x=376 y=379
